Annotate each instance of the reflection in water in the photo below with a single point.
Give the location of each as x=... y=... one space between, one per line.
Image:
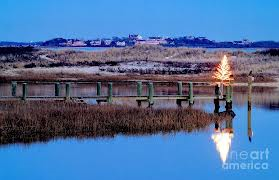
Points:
x=250 y=132
x=223 y=139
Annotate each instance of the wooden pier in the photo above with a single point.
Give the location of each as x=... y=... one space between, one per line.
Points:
x=150 y=97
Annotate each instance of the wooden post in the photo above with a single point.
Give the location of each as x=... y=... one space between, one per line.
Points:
x=228 y=98
x=14 y=87
x=150 y=94
x=217 y=100
x=57 y=89
x=139 y=92
x=99 y=88
x=179 y=93
x=191 y=94
x=24 y=91
x=99 y=92
x=68 y=91
x=139 y=88
x=109 y=99
x=229 y=93
x=179 y=88
x=250 y=132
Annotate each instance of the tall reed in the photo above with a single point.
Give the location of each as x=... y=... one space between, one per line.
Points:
x=25 y=122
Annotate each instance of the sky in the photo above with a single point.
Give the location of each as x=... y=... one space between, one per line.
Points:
x=221 y=20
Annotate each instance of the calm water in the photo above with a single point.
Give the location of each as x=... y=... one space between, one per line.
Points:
x=84 y=49
x=248 y=50
x=90 y=49
x=171 y=156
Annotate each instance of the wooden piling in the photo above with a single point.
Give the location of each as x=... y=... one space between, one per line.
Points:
x=139 y=92
x=99 y=88
x=217 y=100
x=179 y=88
x=139 y=88
x=249 y=95
x=249 y=121
x=150 y=94
x=99 y=91
x=68 y=91
x=14 y=87
x=228 y=93
x=57 y=89
x=228 y=98
x=109 y=98
x=179 y=93
x=191 y=94
x=24 y=91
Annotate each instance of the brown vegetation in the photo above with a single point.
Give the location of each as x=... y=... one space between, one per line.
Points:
x=80 y=77
x=158 y=61
x=25 y=122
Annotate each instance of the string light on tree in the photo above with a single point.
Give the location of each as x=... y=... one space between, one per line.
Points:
x=223 y=73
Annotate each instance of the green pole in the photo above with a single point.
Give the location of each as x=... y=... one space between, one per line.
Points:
x=228 y=93
x=109 y=99
x=231 y=92
x=57 y=89
x=139 y=92
x=191 y=94
x=179 y=88
x=150 y=94
x=14 y=87
x=139 y=88
x=228 y=98
x=24 y=91
x=179 y=93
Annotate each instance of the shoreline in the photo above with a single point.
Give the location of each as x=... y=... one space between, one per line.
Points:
x=81 y=74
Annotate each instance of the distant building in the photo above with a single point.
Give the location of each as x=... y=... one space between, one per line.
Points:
x=246 y=41
x=79 y=43
x=157 y=38
x=243 y=42
x=201 y=38
x=153 y=41
x=121 y=43
x=96 y=42
x=135 y=37
x=107 y=42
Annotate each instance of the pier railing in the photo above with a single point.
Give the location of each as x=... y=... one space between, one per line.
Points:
x=150 y=97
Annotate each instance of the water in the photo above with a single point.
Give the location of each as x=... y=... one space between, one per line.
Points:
x=247 y=50
x=83 y=49
x=161 y=156
x=92 y=49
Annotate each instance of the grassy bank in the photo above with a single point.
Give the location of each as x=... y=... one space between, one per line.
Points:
x=26 y=122
x=139 y=62
x=73 y=76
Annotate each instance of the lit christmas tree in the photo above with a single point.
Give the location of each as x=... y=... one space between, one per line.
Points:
x=223 y=73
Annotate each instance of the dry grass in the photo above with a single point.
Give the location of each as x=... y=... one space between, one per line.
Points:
x=264 y=65
x=30 y=75
x=22 y=122
x=135 y=53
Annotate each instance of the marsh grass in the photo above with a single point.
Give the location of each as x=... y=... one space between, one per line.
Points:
x=48 y=65
x=26 y=122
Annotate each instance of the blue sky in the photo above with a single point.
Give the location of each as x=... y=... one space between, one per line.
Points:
x=34 y=20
